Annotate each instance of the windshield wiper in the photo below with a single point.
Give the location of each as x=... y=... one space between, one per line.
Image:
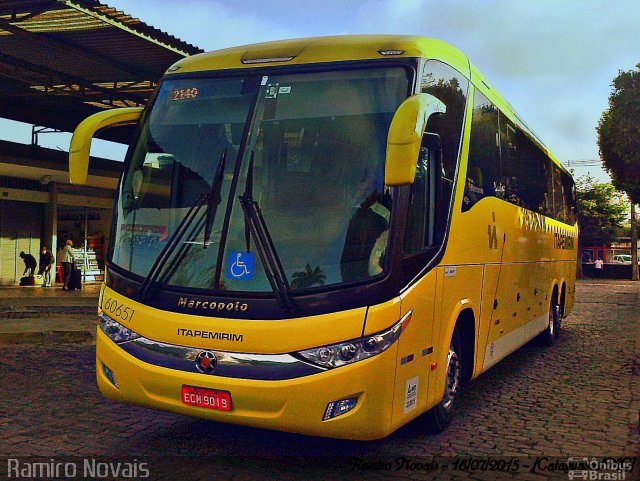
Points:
x=255 y=224
x=170 y=246
x=213 y=200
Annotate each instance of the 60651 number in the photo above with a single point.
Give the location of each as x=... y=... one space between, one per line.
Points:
x=119 y=310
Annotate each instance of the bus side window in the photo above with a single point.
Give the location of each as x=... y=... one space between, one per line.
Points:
x=530 y=164
x=432 y=189
x=569 y=199
x=558 y=197
x=420 y=230
x=450 y=87
x=483 y=168
x=508 y=167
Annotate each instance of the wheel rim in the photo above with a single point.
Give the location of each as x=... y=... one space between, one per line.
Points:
x=554 y=319
x=453 y=379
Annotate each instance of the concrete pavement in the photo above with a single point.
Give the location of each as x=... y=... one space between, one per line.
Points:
x=47 y=314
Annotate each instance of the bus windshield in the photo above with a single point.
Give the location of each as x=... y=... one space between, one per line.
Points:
x=316 y=145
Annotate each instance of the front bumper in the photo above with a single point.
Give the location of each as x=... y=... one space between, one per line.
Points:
x=294 y=405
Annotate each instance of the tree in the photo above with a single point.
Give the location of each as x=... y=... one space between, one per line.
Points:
x=619 y=143
x=601 y=211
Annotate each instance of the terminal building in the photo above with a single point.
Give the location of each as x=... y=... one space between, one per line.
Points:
x=61 y=61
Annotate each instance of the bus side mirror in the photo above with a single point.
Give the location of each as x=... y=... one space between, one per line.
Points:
x=405 y=137
x=84 y=133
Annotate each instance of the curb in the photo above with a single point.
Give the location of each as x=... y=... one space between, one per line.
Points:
x=47 y=337
x=36 y=311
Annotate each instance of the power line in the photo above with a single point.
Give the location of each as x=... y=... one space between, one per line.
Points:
x=583 y=163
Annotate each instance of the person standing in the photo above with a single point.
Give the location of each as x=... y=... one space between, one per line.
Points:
x=66 y=259
x=46 y=261
x=598 y=267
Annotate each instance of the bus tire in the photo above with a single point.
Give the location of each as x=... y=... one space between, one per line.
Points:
x=438 y=418
x=552 y=332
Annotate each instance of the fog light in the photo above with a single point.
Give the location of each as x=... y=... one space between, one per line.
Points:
x=108 y=373
x=338 y=408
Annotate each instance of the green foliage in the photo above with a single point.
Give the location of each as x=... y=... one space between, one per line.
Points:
x=602 y=210
x=619 y=134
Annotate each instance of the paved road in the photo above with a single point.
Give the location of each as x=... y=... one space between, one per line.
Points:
x=579 y=398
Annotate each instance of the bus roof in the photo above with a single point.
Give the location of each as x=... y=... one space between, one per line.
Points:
x=324 y=49
x=344 y=48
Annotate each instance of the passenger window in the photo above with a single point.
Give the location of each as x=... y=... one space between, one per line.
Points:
x=507 y=162
x=530 y=162
x=569 y=199
x=483 y=171
x=524 y=168
x=558 y=197
x=508 y=169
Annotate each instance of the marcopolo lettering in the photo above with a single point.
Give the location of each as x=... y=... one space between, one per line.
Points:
x=220 y=336
x=219 y=306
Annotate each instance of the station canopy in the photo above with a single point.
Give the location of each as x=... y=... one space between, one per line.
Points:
x=62 y=60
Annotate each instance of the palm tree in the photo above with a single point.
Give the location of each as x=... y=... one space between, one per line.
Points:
x=308 y=278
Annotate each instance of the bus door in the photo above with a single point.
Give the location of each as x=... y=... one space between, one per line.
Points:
x=421 y=240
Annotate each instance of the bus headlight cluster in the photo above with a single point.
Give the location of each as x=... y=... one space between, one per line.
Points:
x=116 y=331
x=336 y=355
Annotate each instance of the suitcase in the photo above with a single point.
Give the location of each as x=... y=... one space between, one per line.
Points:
x=75 y=281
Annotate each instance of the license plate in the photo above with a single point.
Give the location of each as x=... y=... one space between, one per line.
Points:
x=206 y=398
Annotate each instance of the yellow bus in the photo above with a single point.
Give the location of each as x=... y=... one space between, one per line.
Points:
x=327 y=236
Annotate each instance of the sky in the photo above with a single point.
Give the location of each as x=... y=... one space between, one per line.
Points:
x=553 y=60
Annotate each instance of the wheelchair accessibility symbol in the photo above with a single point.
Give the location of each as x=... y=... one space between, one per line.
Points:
x=241 y=265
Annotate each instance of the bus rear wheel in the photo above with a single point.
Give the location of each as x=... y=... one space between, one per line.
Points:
x=439 y=417
x=552 y=332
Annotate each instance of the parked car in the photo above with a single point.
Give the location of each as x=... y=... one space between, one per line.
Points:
x=621 y=259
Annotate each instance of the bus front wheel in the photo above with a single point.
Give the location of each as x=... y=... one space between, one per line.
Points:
x=439 y=417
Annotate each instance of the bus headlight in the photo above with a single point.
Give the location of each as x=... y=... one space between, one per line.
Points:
x=348 y=352
x=116 y=331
